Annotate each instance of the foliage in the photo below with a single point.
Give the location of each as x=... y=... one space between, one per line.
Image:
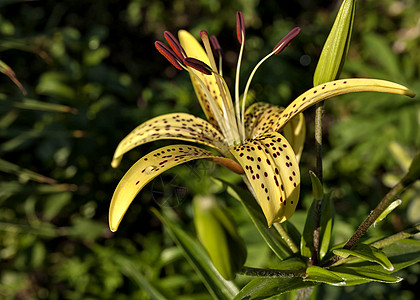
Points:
x=90 y=74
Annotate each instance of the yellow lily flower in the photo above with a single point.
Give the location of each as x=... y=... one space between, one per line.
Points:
x=248 y=140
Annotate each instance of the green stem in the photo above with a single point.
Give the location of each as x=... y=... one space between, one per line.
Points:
x=385 y=202
x=318 y=171
x=260 y=272
x=397 y=237
x=285 y=236
x=385 y=242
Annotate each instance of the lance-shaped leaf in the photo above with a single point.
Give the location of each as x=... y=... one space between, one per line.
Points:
x=217 y=286
x=144 y=170
x=318 y=274
x=353 y=276
x=335 y=88
x=193 y=49
x=272 y=170
x=178 y=126
x=367 y=252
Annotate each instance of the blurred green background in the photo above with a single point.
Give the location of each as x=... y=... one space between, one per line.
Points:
x=91 y=74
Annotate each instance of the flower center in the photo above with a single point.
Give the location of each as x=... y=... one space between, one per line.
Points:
x=230 y=118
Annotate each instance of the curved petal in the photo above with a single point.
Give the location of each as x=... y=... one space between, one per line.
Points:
x=146 y=169
x=260 y=117
x=252 y=116
x=335 y=88
x=193 y=49
x=178 y=126
x=295 y=132
x=272 y=170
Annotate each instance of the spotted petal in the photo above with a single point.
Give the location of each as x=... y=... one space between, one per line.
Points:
x=335 y=88
x=295 y=131
x=261 y=117
x=272 y=170
x=178 y=126
x=265 y=120
x=146 y=169
x=252 y=116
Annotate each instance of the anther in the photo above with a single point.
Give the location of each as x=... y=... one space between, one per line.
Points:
x=216 y=46
x=175 y=45
x=286 y=40
x=198 y=65
x=240 y=27
x=168 y=54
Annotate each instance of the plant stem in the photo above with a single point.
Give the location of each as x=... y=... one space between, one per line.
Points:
x=385 y=242
x=260 y=272
x=285 y=236
x=318 y=171
x=396 y=237
x=374 y=214
x=385 y=202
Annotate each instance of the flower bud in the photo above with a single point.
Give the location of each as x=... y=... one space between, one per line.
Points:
x=219 y=236
x=335 y=48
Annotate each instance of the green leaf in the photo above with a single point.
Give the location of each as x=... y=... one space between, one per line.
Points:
x=319 y=274
x=270 y=235
x=131 y=271
x=317 y=190
x=219 y=235
x=263 y=288
x=353 y=276
x=414 y=170
x=367 y=252
x=326 y=225
x=6 y=70
x=31 y=104
x=401 y=254
x=218 y=287
x=308 y=232
x=388 y=210
x=24 y=174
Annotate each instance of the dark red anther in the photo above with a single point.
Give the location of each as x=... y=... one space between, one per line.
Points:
x=168 y=54
x=198 y=65
x=175 y=45
x=216 y=46
x=285 y=42
x=240 y=27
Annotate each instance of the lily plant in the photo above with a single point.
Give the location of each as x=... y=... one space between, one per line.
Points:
x=247 y=140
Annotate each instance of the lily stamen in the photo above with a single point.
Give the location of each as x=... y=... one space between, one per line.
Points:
x=281 y=46
x=168 y=54
x=198 y=65
x=240 y=32
x=218 y=51
x=175 y=45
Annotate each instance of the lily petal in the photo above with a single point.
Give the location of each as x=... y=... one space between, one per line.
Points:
x=295 y=131
x=335 y=88
x=193 y=49
x=272 y=170
x=252 y=116
x=146 y=169
x=261 y=117
x=178 y=126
